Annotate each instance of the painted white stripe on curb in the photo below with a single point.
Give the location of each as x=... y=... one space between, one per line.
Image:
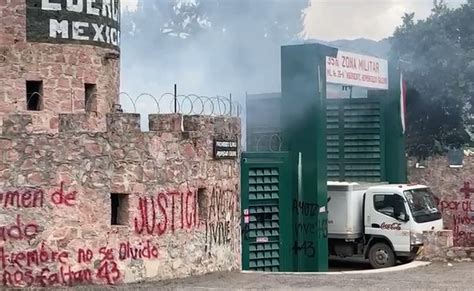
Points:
x=403 y=267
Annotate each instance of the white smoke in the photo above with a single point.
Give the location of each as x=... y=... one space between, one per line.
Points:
x=350 y=19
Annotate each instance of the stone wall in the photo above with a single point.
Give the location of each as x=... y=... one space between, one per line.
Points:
x=439 y=246
x=63 y=68
x=454 y=188
x=106 y=207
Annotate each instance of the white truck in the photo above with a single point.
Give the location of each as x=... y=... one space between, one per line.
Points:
x=382 y=223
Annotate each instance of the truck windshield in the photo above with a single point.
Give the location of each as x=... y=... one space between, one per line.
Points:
x=422 y=205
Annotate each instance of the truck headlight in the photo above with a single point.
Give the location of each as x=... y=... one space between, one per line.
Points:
x=416 y=238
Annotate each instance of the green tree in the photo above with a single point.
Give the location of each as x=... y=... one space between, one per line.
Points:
x=438 y=62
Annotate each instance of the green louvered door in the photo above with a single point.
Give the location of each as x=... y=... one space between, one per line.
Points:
x=266 y=212
x=355 y=147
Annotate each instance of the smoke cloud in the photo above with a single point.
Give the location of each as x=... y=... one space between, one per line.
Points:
x=373 y=19
x=222 y=47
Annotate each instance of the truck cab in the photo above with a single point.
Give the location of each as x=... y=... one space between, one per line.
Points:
x=384 y=223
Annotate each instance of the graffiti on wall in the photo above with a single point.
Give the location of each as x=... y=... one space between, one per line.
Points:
x=318 y=228
x=32 y=267
x=167 y=211
x=459 y=214
x=27 y=198
x=157 y=215
x=220 y=217
x=45 y=266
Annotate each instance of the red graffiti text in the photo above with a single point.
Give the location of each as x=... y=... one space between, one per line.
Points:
x=108 y=272
x=19 y=230
x=46 y=277
x=22 y=198
x=159 y=214
x=32 y=258
x=465 y=205
x=84 y=255
x=145 y=251
x=60 y=197
x=467 y=190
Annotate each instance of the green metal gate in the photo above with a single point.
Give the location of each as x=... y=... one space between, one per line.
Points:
x=355 y=135
x=266 y=203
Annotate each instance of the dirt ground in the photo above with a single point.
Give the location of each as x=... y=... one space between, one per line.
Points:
x=437 y=276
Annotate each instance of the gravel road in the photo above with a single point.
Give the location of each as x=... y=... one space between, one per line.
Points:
x=437 y=276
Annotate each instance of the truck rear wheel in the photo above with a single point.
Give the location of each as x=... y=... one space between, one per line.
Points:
x=381 y=256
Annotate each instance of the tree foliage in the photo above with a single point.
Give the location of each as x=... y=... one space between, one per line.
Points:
x=437 y=58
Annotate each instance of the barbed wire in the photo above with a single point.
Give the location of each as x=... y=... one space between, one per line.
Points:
x=268 y=143
x=191 y=104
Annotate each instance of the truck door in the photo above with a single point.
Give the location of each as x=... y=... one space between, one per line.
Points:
x=387 y=216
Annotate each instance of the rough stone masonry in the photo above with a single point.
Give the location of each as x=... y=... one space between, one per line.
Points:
x=89 y=207
x=85 y=196
x=454 y=191
x=46 y=69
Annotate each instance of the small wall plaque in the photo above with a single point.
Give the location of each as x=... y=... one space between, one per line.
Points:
x=225 y=148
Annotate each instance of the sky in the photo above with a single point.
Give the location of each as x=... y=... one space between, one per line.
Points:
x=350 y=19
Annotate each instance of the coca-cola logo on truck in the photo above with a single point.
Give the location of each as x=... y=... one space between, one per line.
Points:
x=391 y=226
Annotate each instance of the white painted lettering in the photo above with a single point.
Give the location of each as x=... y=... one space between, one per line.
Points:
x=107 y=34
x=91 y=9
x=115 y=10
x=98 y=32
x=118 y=37
x=113 y=35
x=77 y=7
x=106 y=8
x=46 y=5
x=77 y=30
x=56 y=28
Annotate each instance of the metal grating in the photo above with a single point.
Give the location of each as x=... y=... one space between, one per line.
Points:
x=354 y=135
x=354 y=151
x=264 y=226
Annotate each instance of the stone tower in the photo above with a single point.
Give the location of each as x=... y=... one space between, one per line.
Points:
x=59 y=56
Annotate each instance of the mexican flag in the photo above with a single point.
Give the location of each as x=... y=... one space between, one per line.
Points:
x=403 y=102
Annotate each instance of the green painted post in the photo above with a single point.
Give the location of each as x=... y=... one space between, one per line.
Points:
x=395 y=158
x=303 y=119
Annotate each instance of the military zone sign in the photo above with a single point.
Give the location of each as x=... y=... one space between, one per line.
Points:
x=357 y=70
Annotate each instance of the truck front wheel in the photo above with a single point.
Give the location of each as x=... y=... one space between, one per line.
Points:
x=381 y=256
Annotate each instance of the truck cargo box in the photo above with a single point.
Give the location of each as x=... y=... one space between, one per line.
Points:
x=345 y=220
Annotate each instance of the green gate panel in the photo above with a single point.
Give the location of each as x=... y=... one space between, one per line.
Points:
x=355 y=136
x=303 y=123
x=342 y=140
x=266 y=242
x=354 y=140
